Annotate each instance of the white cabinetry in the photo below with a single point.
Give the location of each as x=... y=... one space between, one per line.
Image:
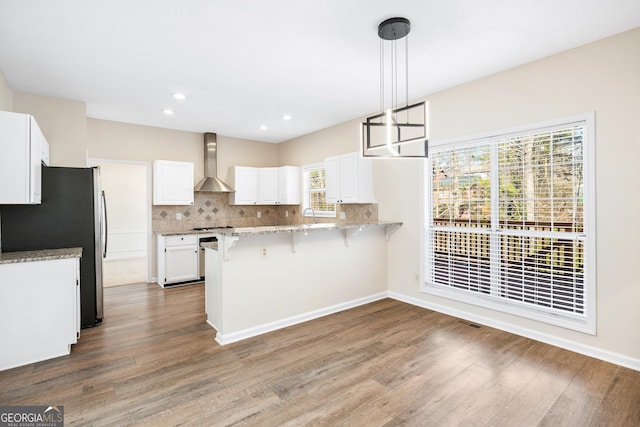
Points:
x=349 y=179
x=177 y=259
x=288 y=185
x=22 y=146
x=264 y=186
x=244 y=180
x=267 y=186
x=39 y=310
x=172 y=183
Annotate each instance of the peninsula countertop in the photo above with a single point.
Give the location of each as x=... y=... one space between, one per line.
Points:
x=299 y=228
x=273 y=229
x=39 y=255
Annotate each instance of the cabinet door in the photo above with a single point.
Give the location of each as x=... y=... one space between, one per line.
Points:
x=289 y=185
x=332 y=184
x=268 y=186
x=38 y=310
x=244 y=180
x=172 y=183
x=20 y=167
x=181 y=263
x=349 y=178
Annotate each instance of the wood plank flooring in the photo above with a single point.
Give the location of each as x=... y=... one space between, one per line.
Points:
x=154 y=362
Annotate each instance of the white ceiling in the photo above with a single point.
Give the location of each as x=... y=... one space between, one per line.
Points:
x=245 y=63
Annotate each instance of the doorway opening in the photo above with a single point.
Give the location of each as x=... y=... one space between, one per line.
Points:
x=128 y=199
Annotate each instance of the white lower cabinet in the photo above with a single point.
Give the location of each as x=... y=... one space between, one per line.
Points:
x=177 y=259
x=39 y=310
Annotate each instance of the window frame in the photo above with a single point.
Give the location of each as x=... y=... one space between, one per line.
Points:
x=306 y=196
x=586 y=323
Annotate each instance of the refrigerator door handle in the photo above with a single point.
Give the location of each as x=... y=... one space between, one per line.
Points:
x=105 y=223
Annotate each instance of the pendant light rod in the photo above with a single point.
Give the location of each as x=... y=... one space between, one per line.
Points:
x=392 y=30
x=395 y=132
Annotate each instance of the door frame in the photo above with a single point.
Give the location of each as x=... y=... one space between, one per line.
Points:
x=92 y=161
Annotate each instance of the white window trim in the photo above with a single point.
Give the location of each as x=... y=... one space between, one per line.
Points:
x=586 y=324
x=305 y=196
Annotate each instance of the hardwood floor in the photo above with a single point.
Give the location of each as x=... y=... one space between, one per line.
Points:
x=154 y=362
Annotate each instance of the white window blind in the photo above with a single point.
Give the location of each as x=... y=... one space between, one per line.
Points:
x=315 y=190
x=505 y=221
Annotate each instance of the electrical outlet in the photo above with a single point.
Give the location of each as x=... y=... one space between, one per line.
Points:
x=178 y=216
x=259 y=214
x=286 y=214
x=263 y=252
x=343 y=215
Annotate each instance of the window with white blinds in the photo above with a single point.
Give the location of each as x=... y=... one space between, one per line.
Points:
x=506 y=223
x=314 y=189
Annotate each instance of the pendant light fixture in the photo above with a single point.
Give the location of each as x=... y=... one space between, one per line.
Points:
x=399 y=130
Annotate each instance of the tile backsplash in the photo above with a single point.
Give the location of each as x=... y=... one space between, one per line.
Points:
x=213 y=210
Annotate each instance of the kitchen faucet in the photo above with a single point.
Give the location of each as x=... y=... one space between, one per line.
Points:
x=312 y=213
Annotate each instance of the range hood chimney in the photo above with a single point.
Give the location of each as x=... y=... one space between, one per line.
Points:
x=211 y=182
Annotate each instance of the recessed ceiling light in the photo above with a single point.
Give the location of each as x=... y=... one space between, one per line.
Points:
x=286 y=117
x=179 y=95
x=264 y=127
x=168 y=111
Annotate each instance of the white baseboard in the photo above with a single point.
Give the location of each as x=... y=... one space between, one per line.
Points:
x=224 y=339
x=598 y=353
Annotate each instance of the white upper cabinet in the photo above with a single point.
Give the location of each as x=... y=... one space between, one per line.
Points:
x=172 y=183
x=349 y=179
x=267 y=186
x=21 y=151
x=244 y=180
x=264 y=186
x=288 y=185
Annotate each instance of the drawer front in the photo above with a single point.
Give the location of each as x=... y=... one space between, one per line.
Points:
x=187 y=239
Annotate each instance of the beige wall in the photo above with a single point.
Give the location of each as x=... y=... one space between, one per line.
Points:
x=600 y=77
x=242 y=152
x=6 y=94
x=125 y=141
x=63 y=123
x=313 y=148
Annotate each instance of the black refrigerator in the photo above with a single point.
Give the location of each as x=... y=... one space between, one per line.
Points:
x=72 y=214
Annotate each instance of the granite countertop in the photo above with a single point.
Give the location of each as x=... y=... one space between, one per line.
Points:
x=273 y=229
x=184 y=232
x=39 y=255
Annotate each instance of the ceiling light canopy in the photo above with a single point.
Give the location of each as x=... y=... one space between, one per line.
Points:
x=397 y=131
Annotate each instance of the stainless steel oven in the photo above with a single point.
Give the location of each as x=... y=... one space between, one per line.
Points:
x=202 y=239
x=204 y=236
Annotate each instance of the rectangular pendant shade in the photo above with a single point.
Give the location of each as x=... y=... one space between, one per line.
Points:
x=397 y=133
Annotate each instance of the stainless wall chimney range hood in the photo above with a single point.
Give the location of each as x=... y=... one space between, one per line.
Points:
x=211 y=182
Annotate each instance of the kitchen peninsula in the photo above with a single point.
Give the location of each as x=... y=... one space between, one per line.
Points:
x=260 y=279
